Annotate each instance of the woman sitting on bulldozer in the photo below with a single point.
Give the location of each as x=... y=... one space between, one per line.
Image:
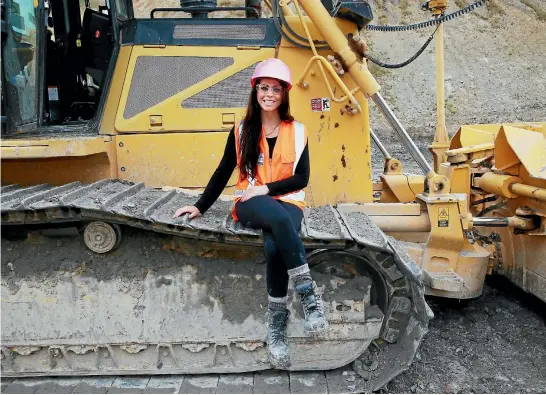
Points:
x=270 y=151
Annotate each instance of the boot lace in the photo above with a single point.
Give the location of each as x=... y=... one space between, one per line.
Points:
x=277 y=332
x=312 y=302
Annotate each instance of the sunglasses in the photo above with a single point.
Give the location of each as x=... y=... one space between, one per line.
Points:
x=276 y=89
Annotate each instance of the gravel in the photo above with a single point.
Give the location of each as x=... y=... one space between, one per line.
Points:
x=495 y=343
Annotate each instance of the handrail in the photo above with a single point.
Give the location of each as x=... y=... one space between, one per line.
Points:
x=321 y=60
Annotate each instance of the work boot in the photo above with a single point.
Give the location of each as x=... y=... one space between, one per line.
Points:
x=276 y=343
x=315 y=319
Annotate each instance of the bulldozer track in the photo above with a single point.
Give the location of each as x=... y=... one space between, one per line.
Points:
x=398 y=316
x=126 y=203
x=343 y=380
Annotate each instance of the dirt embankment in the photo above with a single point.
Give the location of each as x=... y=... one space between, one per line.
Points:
x=495 y=59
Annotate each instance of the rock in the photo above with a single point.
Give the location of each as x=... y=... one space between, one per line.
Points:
x=351 y=379
x=502 y=378
x=452 y=388
x=10 y=265
x=351 y=387
x=486 y=309
x=59 y=243
x=374 y=365
x=417 y=356
x=413 y=388
x=444 y=335
x=365 y=375
x=345 y=373
x=458 y=350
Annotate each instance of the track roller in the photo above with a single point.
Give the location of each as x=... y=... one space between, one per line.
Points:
x=102 y=237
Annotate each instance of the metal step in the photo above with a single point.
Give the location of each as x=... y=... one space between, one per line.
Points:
x=445 y=281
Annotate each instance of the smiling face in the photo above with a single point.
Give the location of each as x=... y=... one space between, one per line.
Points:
x=269 y=94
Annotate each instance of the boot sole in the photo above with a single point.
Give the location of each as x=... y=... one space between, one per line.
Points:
x=279 y=365
x=317 y=331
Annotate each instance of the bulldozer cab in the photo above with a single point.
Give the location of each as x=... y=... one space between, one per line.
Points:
x=56 y=57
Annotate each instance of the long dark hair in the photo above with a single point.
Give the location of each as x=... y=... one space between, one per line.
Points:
x=252 y=129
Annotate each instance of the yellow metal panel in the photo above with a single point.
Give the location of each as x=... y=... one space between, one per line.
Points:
x=458 y=176
x=472 y=263
x=382 y=209
x=58 y=161
x=185 y=160
x=446 y=237
x=339 y=143
x=174 y=116
x=58 y=171
x=53 y=148
x=515 y=145
x=527 y=179
x=114 y=93
x=468 y=136
x=519 y=258
x=404 y=186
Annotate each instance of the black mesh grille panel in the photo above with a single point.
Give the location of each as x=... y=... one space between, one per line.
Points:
x=231 y=92
x=216 y=32
x=157 y=78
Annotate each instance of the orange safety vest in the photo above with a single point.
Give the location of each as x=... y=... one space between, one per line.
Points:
x=290 y=143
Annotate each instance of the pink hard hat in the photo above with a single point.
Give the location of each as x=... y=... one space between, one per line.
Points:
x=272 y=68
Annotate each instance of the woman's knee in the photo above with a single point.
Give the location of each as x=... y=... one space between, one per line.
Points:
x=250 y=213
x=270 y=248
x=281 y=221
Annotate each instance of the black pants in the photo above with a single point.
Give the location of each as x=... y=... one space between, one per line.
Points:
x=280 y=222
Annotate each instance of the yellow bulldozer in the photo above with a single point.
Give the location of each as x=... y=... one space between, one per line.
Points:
x=110 y=123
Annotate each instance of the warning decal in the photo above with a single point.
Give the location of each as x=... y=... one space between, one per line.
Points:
x=320 y=104
x=443 y=217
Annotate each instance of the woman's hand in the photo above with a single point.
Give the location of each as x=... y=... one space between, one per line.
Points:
x=194 y=212
x=254 y=191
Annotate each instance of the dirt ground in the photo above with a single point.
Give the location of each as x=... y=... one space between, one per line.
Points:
x=493 y=344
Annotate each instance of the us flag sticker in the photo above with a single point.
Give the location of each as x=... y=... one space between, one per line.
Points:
x=320 y=104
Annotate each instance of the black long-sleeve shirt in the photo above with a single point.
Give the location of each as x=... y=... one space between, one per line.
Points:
x=223 y=172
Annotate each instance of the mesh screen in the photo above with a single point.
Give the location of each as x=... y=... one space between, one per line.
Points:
x=227 y=32
x=157 y=78
x=231 y=92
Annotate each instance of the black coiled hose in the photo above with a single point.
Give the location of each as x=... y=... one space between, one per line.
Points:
x=429 y=23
